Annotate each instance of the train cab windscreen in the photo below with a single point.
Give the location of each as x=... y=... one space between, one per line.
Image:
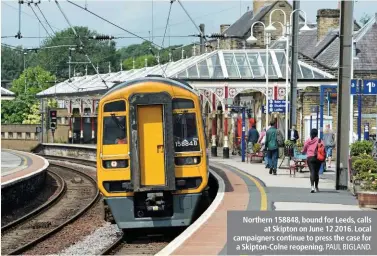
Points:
x=185 y=132
x=114 y=130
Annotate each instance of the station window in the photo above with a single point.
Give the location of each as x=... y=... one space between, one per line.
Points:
x=19 y=135
x=114 y=130
x=115 y=106
x=2 y=135
x=27 y=135
x=10 y=135
x=182 y=104
x=185 y=133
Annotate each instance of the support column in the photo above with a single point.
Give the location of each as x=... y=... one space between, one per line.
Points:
x=82 y=124
x=70 y=138
x=214 y=128
x=226 y=116
x=92 y=120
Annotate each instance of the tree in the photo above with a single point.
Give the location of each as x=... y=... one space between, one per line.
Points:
x=364 y=20
x=23 y=108
x=55 y=60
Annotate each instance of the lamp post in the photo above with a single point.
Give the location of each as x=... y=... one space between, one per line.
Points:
x=252 y=39
x=286 y=33
x=284 y=37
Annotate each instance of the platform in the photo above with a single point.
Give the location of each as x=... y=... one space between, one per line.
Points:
x=249 y=186
x=17 y=166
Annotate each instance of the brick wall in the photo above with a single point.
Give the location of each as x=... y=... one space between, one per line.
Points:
x=327 y=19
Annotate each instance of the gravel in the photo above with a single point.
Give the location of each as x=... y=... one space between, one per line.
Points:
x=96 y=242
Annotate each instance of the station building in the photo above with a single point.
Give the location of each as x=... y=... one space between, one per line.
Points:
x=230 y=68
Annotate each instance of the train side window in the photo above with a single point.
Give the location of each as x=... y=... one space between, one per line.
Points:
x=114 y=130
x=182 y=104
x=185 y=132
x=115 y=106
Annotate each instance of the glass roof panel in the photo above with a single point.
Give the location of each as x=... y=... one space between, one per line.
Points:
x=243 y=65
x=183 y=74
x=280 y=57
x=271 y=67
x=307 y=73
x=203 y=69
x=214 y=67
x=231 y=65
x=255 y=64
x=318 y=75
x=299 y=74
x=193 y=72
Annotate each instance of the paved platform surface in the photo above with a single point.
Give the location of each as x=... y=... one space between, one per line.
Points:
x=16 y=165
x=13 y=162
x=249 y=186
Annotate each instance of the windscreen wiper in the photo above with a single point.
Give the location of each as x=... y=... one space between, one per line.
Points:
x=117 y=122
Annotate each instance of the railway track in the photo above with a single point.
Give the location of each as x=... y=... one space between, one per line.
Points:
x=79 y=195
x=137 y=244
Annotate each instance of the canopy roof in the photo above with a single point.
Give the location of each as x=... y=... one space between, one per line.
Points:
x=246 y=64
x=6 y=94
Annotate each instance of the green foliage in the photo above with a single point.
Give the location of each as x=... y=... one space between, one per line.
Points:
x=25 y=107
x=99 y=52
x=256 y=147
x=12 y=62
x=361 y=147
x=288 y=143
x=365 y=165
x=366 y=171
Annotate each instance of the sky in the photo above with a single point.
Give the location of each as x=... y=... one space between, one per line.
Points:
x=136 y=16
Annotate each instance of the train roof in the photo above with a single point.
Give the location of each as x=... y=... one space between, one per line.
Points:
x=153 y=78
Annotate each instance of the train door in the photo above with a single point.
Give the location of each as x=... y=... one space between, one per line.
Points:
x=151 y=145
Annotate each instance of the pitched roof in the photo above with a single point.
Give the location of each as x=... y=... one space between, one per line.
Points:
x=242 y=26
x=326 y=51
x=6 y=92
x=248 y=64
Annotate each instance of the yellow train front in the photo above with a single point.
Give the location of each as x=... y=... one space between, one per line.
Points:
x=152 y=166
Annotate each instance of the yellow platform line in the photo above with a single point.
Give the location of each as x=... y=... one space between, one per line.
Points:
x=262 y=191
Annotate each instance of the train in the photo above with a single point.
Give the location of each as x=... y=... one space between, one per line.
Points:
x=152 y=163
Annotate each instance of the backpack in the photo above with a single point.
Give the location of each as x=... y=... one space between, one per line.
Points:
x=320 y=151
x=279 y=138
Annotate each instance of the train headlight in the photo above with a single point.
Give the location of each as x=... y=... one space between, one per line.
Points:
x=191 y=160
x=188 y=183
x=111 y=164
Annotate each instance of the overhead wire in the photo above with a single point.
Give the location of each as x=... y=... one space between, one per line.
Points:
x=81 y=43
x=29 y=4
x=193 y=22
x=45 y=19
x=28 y=14
x=114 y=24
x=163 y=39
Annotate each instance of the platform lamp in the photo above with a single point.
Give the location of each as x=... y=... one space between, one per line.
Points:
x=251 y=40
x=285 y=37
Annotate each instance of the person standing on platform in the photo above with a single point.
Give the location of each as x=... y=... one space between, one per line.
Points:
x=329 y=141
x=252 y=137
x=262 y=141
x=311 y=149
x=293 y=134
x=272 y=147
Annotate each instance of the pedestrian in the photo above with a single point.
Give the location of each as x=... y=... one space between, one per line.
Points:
x=293 y=134
x=272 y=147
x=262 y=141
x=252 y=137
x=329 y=141
x=311 y=149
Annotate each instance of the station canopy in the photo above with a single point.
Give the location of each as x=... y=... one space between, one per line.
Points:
x=6 y=94
x=240 y=65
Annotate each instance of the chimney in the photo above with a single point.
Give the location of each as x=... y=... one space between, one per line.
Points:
x=327 y=19
x=223 y=27
x=259 y=4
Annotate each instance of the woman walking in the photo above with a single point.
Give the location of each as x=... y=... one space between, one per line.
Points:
x=310 y=148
